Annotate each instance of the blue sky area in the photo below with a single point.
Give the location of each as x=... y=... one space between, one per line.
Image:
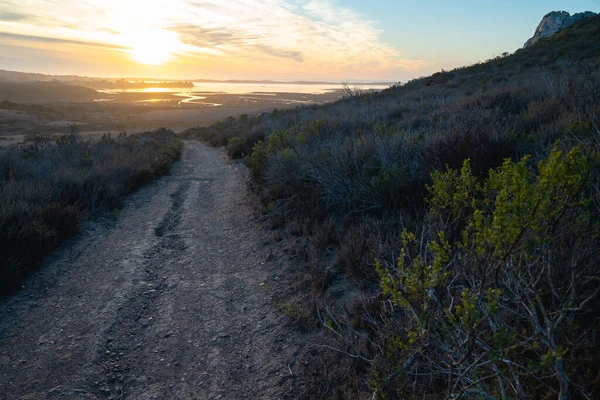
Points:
x=459 y=32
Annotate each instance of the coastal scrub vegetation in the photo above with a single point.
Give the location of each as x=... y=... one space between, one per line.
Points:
x=449 y=227
x=497 y=296
x=48 y=185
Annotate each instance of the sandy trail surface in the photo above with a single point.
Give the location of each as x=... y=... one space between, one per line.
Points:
x=168 y=301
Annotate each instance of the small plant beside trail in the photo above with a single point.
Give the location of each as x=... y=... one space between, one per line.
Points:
x=48 y=186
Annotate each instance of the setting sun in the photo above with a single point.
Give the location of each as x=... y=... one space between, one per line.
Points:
x=152 y=46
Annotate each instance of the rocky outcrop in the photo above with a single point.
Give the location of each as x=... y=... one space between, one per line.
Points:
x=555 y=22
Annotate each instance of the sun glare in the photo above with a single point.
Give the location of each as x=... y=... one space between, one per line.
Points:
x=152 y=46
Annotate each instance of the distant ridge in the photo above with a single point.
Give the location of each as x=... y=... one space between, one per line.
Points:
x=45 y=91
x=15 y=76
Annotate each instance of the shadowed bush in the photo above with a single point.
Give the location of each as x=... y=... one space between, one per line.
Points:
x=47 y=187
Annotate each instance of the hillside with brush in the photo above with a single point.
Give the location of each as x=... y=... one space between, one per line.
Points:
x=45 y=91
x=445 y=232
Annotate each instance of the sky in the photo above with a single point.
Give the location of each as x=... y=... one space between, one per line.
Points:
x=387 y=40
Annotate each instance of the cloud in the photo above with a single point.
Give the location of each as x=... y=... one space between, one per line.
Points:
x=326 y=11
x=300 y=36
x=12 y=16
x=200 y=37
x=293 y=55
x=315 y=33
x=211 y=37
x=56 y=40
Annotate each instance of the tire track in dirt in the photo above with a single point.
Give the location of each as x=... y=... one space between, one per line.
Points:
x=133 y=314
x=166 y=302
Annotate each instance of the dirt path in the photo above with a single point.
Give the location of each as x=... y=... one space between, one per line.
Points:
x=168 y=303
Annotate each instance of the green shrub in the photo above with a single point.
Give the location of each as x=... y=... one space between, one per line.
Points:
x=493 y=311
x=237 y=147
x=258 y=158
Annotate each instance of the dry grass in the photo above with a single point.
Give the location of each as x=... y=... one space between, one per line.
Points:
x=50 y=185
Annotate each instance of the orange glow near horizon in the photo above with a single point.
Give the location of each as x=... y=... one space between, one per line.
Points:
x=185 y=39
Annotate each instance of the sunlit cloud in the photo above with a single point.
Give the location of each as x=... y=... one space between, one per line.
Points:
x=44 y=39
x=293 y=38
x=12 y=16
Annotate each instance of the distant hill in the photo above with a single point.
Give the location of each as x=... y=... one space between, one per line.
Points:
x=15 y=76
x=576 y=43
x=45 y=91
